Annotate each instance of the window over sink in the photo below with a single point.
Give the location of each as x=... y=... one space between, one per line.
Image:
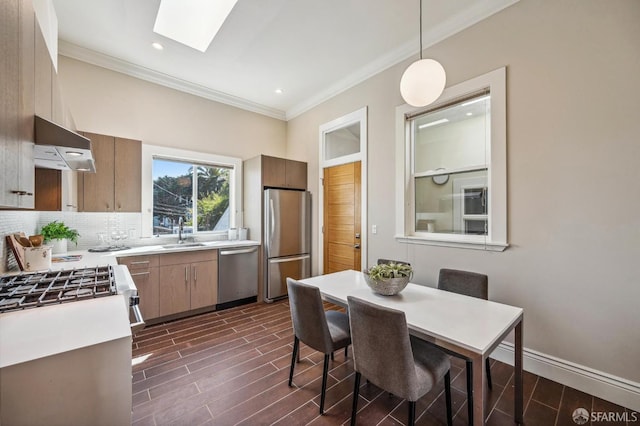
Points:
x=202 y=189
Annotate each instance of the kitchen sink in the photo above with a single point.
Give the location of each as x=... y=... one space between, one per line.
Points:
x=183 y=245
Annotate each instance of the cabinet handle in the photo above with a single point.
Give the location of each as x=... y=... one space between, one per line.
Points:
x=140 y=273
x=195 y=273
x=186 y=274
x=140 y=262
x=21 y=193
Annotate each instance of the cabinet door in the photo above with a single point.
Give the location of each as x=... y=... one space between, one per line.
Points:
x=296 y=174
x=175 y=294
x=273 y=172
x=43 y=76
x=128 y=178
x=149 y=291
x=98 y=188
x=48 y=190
x=204 y=284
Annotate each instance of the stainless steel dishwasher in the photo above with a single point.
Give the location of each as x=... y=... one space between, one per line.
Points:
x=237 y=276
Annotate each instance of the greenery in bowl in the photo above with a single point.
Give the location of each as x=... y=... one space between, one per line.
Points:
x=389 y=270
x=57 y=231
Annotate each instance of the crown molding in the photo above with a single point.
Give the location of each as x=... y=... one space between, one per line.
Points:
x=74 y=51
x=442 y=31
x=457 y=23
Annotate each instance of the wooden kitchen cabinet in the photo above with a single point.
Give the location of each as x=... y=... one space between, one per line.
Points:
x=145 y=274
x=188 y=281
x=17 y=22
x=116 y=185
x=283 y=173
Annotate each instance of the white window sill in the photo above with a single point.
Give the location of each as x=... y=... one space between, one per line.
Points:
x=456 y=241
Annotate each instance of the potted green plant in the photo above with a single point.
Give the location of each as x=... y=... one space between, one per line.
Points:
x=388 y=278
x=57 y=233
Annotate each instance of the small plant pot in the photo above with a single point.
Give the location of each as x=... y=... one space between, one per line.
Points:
x=58 y=246
x=387 y=286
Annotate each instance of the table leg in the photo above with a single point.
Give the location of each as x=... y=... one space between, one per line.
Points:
x=518 y=397
x=477 y=362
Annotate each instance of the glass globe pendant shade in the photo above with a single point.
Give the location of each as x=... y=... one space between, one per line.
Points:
x=423 y=82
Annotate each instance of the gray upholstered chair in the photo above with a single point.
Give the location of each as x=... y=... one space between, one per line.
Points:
x=388 y=357
x=474 y=285
x=387 y=261
x=324 y=331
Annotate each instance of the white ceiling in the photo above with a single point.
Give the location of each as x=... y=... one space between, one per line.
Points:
x=311 y=49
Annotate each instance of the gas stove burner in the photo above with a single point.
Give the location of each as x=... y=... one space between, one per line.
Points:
x=81 y=292
x=31 y=290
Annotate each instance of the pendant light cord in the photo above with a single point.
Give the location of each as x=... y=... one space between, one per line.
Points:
x=420 y=29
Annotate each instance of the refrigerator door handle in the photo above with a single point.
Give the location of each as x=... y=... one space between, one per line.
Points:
x=272 y=225
x=289 y=259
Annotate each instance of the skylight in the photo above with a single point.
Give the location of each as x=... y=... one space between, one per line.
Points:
x=192 y=22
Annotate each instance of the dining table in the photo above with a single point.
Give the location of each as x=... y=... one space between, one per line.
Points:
x=464 y=326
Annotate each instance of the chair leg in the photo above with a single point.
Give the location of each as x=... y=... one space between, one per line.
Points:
x=294 y=355
x=447 y=395
x=331 y=356
x=325 y=373
x=488 y=368
x=346 y=351
x=356 y=393
x=412 y=413
x=470 y=392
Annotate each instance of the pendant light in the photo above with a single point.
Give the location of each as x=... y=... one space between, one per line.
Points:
x=424 y=80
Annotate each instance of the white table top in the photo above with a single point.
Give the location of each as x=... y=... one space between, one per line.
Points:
x=466 y=322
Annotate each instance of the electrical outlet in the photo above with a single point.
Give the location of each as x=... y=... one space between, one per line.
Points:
x=374 y=229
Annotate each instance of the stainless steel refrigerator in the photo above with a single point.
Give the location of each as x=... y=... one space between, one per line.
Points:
x=287 y=239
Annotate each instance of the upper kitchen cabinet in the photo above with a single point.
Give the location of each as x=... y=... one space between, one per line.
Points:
x=17 y=25
x=283 y=173
x=43 y=77
x=116 y=185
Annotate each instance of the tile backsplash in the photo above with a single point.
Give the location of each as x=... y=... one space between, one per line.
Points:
x=88 y=226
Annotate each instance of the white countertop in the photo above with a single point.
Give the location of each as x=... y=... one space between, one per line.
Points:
x=90 y=259
x=40 y=332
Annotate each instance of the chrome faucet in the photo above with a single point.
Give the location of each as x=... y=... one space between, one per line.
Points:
x=180 y=229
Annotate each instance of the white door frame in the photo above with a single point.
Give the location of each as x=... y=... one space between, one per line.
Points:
x=359 y=116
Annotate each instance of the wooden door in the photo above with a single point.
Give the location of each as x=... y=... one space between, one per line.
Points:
x=175 y=296
x=98 y=187
x=342 y=218
x=204 y=284
x=128 y=175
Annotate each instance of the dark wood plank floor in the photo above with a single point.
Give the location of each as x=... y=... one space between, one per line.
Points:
x=231 y=367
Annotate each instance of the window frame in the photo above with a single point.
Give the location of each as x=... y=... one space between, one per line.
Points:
x=149 y=152
x=496 y=239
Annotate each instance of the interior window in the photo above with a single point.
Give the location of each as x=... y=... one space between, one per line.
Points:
x=197 y=193
x=451 y=167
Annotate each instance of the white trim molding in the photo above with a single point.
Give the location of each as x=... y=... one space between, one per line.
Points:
x=356 y=117
x=603 y=385
x=89 y=56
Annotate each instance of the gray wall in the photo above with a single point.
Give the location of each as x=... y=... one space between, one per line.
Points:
x=573 y=172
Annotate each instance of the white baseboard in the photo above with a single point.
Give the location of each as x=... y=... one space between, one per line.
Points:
x=605 y=386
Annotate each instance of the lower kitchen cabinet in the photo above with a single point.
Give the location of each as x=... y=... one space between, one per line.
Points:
x=144 y=271
x=188 y=281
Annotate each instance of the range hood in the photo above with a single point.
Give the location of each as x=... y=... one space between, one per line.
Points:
x=61 y=149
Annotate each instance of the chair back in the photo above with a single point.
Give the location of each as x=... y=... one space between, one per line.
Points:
x=464 y=282
x=308 y=317
x=397 y=262
x=382 y=349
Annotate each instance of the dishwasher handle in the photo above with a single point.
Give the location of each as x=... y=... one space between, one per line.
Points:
x=240 y=251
